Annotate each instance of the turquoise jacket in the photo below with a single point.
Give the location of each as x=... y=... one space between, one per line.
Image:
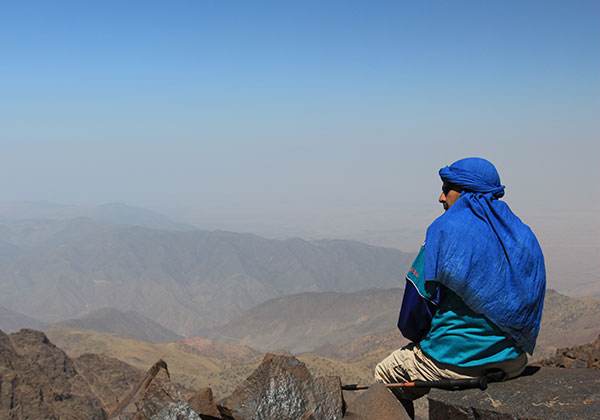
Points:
x=447 y=329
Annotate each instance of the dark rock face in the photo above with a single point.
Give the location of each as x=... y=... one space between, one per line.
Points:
x=377 y=403
x=203 y=403
x=109 y=378
x=155 y=397
x=175 y=411
x=549 y=393
x=39 y=381
x=282 y=388
x=578 y=357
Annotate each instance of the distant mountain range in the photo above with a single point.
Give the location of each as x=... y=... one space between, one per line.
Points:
x=304 y=322
x=236 y=288
x=11 y=321
x=567 y=321
x=124 y=324
x=343 y=326
x=186 y=281
x=110 y=212
x=330 y=323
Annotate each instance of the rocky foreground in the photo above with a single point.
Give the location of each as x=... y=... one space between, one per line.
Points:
x=39 y=381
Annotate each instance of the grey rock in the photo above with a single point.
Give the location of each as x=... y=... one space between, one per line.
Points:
x=155 y=397
x=546 y=393
x=177 y=411
x=330 y=404
x=282 y=388
x=39 y=381
x=377 y=403
x=203 y=403
x=586 y=356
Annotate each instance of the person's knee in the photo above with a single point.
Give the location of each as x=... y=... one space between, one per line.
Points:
x=381 y=373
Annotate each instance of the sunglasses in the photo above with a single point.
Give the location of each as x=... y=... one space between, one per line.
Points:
x=446 y=188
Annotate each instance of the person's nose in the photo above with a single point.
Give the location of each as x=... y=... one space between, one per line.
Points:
x=442 y=198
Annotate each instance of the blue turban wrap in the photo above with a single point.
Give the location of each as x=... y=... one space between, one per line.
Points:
x=482 y=251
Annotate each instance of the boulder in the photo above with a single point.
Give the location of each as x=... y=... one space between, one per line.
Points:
x=155 y=397
x=377 y=403
x=39 y=381
x=546 y=393
x=109 y=378
x=586 y=356
x=203 y=403
x=176 y=411
x=282 y=388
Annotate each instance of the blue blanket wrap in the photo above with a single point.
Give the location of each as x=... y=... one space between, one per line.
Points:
x=483 y=252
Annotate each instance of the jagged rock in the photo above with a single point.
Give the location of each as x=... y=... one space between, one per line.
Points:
x=376 y=403
x=108 y=377
x=155 y=397
x=579 y=357
x=203 y=403
x=546 y=393
x=282 y=388
x=177 y=411
x=39 y=381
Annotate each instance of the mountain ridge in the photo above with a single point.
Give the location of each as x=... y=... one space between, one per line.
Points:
x=344 y=320
x=128 y=324
x=115 y=212
x=303 y=322
x=186 y=281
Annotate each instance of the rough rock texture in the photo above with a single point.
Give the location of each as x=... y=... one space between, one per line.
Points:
x=155 y=397
x=546 y=393
x=376 y=403
x=585 y=356
x=176 y=411
x=282 y=388
x=39 y=381
x=108 y=378
x=203 y=403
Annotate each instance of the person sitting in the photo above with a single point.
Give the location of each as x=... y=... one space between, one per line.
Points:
x=474 y=294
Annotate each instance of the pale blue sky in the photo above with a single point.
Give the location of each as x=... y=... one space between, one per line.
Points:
x=317 y=118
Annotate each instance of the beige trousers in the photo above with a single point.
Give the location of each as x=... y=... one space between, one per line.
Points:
x=410 y=363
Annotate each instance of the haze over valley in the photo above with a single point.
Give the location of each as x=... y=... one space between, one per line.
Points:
x=198 y=183
x=92 y=277
x=188 y=281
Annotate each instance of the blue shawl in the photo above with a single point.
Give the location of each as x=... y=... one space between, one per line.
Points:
x=483 y=252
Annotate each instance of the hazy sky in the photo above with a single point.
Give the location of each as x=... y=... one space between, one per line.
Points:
x=309 y=117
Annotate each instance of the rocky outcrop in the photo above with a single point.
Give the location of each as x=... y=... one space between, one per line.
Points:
x=107 y=377
x=546 y=393
x=586 y=356
x=376 y=403
x=204 y=404
x=39 y=381
x=155 y=397
x=282 y=388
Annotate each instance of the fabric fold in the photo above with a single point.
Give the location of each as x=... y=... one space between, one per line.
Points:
x=484 y=253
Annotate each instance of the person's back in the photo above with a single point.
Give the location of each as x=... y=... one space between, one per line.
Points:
x=474 y=295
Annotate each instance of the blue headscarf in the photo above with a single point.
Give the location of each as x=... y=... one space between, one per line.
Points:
x=482 y=251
